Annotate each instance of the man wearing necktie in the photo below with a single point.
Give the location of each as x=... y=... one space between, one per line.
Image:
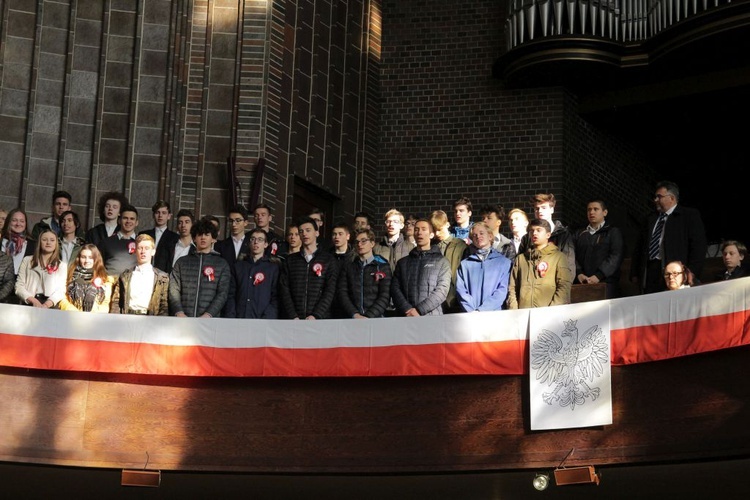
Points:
x=673 y=232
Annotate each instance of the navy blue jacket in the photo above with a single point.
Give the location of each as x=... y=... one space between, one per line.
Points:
x=253 y=292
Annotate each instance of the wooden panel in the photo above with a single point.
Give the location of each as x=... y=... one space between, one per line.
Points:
x=681 y=409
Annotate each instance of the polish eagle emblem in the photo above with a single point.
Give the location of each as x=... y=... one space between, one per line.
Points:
x=570 y=362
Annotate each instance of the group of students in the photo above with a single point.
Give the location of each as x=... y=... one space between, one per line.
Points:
x=421 y=266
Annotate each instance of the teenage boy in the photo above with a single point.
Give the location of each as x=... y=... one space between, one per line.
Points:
x=544 y=208
x=254 y=283
x=421 y=282
x=237 y=246
x=393 y=245
x=61 y=201
x=519 y=224
x=164 y=237
x=364 y=287
x=185 y=221
x=454 y=249
x=118 y=251
x=540 y=276
x=143 y=289
x=599 y=250
x=341 y=249
x=493 y=216
x=199 y=283
x=109 y=206
x=263 y=218
x=362 y=221
x=462 y=219
x=308 y=278
x=482 y=283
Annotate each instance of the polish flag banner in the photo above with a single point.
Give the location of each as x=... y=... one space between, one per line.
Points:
x=642 y=329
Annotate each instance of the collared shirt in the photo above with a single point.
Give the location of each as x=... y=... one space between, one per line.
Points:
x=516 y=242
x=237 y=244
x=592 y=229
x=123 y=237
x=364 y=262
x=181 y=250
x=158 y=232
x=66 y=249
x=141 y=287
x=110 y=228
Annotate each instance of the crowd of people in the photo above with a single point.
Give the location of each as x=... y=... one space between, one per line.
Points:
x=420 y=266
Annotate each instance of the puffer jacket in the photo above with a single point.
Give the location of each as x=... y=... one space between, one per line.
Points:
x=421 y=281
x=365 y=289
x=308 y=288
x=544 y=280
x=192 y=291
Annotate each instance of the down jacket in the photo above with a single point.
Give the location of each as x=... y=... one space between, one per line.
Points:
x=365 y=289
x=421 y=281
x=193 y=291
x=308 y=288
x=482 y=285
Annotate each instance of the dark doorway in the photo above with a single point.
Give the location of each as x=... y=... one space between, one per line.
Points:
x=307 y=197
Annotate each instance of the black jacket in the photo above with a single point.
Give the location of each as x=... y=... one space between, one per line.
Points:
x=308 y=288
x=365 y=289
x=421 y=281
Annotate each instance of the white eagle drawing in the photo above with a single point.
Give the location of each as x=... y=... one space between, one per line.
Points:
x=570 y=365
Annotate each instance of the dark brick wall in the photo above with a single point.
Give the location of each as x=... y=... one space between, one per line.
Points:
x=449 y=129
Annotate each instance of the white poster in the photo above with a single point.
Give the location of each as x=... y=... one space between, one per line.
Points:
x=569 y=366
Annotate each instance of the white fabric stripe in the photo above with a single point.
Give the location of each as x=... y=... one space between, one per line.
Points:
x=706 y=300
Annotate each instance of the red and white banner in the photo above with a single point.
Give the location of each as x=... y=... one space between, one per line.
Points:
x=643 y=328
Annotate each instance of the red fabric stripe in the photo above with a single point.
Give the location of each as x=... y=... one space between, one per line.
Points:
x=681 y=338
x=499 y=358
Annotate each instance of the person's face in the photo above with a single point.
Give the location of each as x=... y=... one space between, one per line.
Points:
x=361 y=223
x=518 y=224
x=364 y=245
x=443 y=233
x=492 y=220
x=128 y=221
x=144 y=252
x=68 y=225
x=673 y=276
x=203 y=242
x=409 y=227
x=59 y=206
x=544 y=211
x=3 y=216
x=18 y=223
x=595 y=213
x=258 y=244
x=423 y=234
x=481 y=237
x=162 y=216
x=731 y=257
x=292 y=237
x=86 y=259
x=48 y=242
x=262 y=218
x=340 y=237
x=318 y=220
x=539 y=236
x=308 y=234
x=237 y=224
x=663 y=200
x=393 y=225
x=184 y=225
x=112 y=210
x=461 y=214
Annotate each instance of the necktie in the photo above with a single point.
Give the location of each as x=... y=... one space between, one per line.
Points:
x=653 y=246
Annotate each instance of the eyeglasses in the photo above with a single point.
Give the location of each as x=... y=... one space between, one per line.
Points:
x=236 y=221
x=660 y=196
x=672 y=275
x=362 y=241
x=257 y=240
x=392 y=221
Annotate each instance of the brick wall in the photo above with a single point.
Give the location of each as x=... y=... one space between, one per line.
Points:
x=448 y=129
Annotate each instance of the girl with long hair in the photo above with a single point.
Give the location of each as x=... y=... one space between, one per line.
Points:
x=16 y=240
x=41 y=277
x=89 y=288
